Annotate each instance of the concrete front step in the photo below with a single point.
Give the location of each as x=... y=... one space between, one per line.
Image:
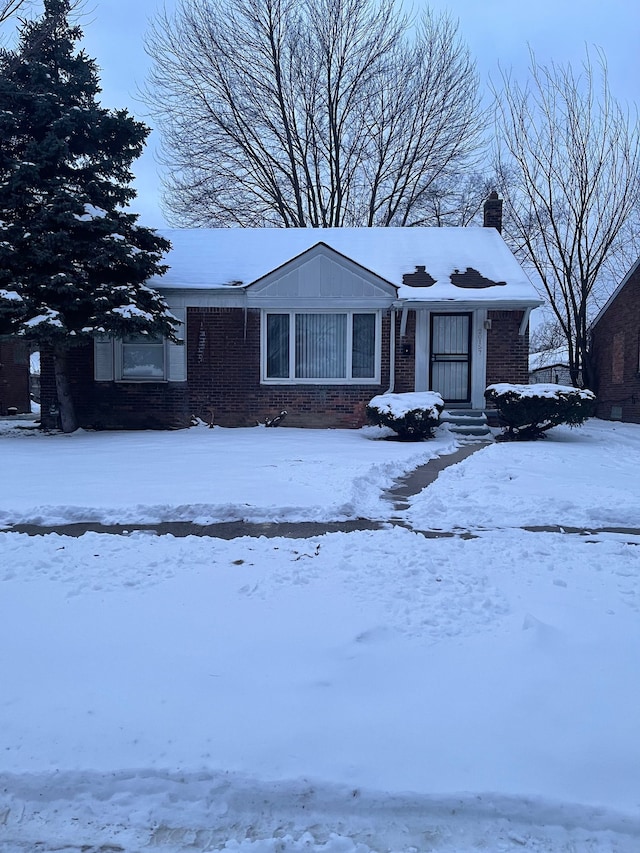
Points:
x=471 y=423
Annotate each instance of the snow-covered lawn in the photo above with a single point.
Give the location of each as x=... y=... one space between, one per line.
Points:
x=370 y=691
x=203 y=475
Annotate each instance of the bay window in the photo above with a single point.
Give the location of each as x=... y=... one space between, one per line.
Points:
x=321 y=347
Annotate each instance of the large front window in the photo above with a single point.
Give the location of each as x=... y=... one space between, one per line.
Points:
x=321 y=347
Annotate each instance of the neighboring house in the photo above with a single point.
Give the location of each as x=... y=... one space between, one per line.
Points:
x=14 y=376
x=615 y=351
x=315 y=322
x=550 y=366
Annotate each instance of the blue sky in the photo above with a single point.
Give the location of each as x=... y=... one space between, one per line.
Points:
x=497 y=31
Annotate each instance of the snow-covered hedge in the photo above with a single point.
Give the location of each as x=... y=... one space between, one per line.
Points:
x=528 y=411
x=412 y=416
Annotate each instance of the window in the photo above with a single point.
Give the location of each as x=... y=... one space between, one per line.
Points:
x=321 y=347
x=143 y=358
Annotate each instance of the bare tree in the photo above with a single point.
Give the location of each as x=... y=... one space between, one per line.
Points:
x=313 y=113
x=10 y=7
x=547 y=336
x=457 y=200
x=568 y=160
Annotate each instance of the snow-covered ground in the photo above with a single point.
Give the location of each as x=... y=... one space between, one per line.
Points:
x=203 y=475
x=371 y=691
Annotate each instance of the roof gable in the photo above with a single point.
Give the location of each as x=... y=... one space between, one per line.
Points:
x=320 y=274
x=615 y=293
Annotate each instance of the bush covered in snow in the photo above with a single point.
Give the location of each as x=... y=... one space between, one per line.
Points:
x=527 y=411
x=412 y=416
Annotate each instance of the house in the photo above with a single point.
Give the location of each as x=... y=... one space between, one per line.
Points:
x=550 y=366
x=615 y=352
x=314 y=322
x=14 y=376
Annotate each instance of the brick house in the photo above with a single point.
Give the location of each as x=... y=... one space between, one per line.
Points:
x=14 y=376
x=315 y=322
x=615 y=351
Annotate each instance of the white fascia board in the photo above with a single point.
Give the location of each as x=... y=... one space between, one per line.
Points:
x=454 y=305
x=233 y=297
x=318 y=303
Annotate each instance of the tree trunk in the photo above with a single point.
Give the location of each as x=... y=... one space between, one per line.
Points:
x=589 y=379
x=68 y=420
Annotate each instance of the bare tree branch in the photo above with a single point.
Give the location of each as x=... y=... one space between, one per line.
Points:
x=8 y=8
x=568 y=160
x=314 y=113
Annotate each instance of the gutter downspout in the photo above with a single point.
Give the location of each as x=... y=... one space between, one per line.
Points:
x=525 y=322
x=403 y=321
x=392 y=353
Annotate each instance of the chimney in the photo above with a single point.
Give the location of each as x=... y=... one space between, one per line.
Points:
x=493 y=212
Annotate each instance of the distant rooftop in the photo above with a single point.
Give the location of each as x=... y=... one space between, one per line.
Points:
x=549 y=358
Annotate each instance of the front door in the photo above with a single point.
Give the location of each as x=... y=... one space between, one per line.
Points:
x=450 y=357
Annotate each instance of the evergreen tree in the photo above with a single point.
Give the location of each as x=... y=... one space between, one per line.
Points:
x=73 y=261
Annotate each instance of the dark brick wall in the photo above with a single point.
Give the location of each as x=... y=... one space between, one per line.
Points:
x=14 y=376
x=223 y=365
x=112 y=405
x=507 y=351
x=615 y=349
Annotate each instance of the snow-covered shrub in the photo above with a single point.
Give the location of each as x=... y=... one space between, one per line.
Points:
x=527 y=411
x=412 y=416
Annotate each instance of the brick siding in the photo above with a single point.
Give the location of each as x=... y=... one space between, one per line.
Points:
x=112 y=405
x=223 y=365
x=507 y=351
x=615 y=350
x=405 y=355
x=14 y=376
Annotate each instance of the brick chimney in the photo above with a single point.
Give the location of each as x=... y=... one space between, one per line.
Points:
x=493 y=212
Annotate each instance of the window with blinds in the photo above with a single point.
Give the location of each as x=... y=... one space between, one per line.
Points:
x=332 y=347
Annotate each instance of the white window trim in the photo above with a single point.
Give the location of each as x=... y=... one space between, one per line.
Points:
x=292 y=379
x=108 y=357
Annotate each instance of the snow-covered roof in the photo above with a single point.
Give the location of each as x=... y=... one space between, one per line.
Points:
x=221 y=257
x=549 y=358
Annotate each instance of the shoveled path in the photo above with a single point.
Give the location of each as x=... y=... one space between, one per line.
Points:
x=405 y=487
